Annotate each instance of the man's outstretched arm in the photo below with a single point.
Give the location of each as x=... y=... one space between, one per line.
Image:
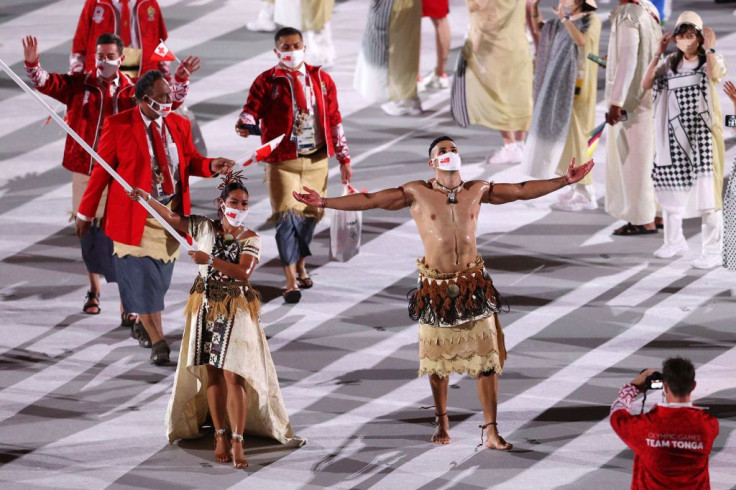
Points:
x=531 y=189
x=390 y=199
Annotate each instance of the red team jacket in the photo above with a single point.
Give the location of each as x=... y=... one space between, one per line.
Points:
x=84 y=97
x=124 y=145
x=270 y=101
x=88 y=103
x=671 y=444
x=98 y=17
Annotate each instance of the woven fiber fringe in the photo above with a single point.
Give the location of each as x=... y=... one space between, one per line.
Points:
x=229 y=307
x=438 y=336
x=472 y=366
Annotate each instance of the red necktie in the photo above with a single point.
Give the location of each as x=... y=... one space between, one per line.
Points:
x=163 y=162
x=301 y=99
x=125 y=22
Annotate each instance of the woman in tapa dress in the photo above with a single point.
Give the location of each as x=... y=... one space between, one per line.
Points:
x=225 y=365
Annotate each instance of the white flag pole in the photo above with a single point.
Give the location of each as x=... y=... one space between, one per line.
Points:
x=94 y=154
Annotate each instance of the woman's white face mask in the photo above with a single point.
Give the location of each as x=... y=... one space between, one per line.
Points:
x=236 y=217
x=447 y=161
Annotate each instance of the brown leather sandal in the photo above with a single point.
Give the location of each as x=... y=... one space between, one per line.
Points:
x=92 y=300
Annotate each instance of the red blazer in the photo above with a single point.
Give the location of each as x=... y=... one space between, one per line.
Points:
x=98 y=17
x=269 y=100
x=124 y=146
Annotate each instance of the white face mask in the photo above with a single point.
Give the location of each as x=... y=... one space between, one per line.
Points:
x=163 y=109
x=235 y=217
x=108 y=68
x=448 y=161
x=291 y=59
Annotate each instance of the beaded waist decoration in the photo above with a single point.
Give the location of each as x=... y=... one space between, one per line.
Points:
x=451 y=299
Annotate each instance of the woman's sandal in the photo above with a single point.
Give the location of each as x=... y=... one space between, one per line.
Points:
x=239 y=464
x=92 y=300
x=507 y=446
x=304 y=282
x=633 y=230
x=222 y=434
x=127 y=320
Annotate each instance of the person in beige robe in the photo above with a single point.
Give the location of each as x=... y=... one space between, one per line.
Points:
x=493 y=80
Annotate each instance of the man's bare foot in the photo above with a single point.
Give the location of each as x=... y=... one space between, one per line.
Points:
x=222 y=447
x=495 y=441
x=442 y=431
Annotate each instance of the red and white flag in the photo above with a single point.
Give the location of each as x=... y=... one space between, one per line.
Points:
x=262 y=152
x=162 y=53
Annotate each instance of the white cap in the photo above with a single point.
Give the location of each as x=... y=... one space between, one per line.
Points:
x=691 y=18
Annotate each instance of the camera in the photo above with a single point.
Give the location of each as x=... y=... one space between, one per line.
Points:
x=654 y=381
x=731 y=121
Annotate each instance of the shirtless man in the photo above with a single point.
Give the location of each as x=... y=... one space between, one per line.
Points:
x=454 y=288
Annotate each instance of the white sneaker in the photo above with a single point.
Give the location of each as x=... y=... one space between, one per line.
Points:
x=518 y=151
x=566 y=195
x=409 y=107
x=510 y=153
x=669 y=251
x=707 y=261
x=577 y=202
x=433 y=81
x=264 y=22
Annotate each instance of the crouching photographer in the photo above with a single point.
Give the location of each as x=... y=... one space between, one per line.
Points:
x=672 y=441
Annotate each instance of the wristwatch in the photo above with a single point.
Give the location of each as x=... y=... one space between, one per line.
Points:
x=711 y=50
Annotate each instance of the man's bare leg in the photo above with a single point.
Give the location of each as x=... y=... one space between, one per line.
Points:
x=290 y=274
x=488 y=395
x=153 y=325
x=301 y=268
x=439 y=393
x=519 y=136
x=216 y=401
x=95 y=286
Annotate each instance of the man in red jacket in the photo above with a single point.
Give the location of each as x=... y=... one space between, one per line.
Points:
x=671 y=442
x=298 y=100
x=138 y=22
x=89 y=99
x=155 y=153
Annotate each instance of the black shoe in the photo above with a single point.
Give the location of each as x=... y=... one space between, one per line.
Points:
x=138 y=332
x=160 y=353
x=292 y=296
x=127 y=320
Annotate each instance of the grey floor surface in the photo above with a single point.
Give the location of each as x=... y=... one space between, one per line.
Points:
x=80 y=407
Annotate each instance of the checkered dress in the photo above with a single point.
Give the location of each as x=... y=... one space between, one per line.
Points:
x=685 y=96
x=729 y=225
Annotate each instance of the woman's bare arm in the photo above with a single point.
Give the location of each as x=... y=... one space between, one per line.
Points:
x=177 y=221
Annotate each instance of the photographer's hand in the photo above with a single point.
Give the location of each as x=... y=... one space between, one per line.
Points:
x=640 y=380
